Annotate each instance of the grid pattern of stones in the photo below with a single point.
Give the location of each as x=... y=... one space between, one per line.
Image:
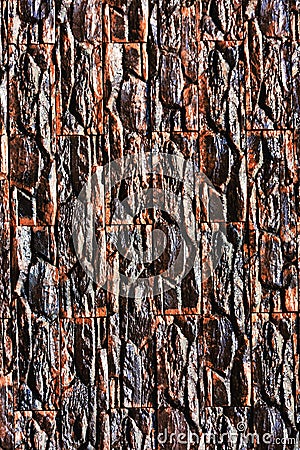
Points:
x=85 y=82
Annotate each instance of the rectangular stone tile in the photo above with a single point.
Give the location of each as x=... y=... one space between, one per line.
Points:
x=177 y=263
x=77 y=157
x=190 y=35
x=31 y=23
x=84 y=381
x=4 y=157
x=35 y=287
x=295 y=19
x=137 y=328
x=125 y=21
x=295 y=57
x=114 y=357
x=224 y=165
x=84 y=355
x=32 y=100
x=178 y=366
x=227 y=362
x=271 y=429
x=125 y=91
x=132 y=428
x=3 y=72
x=273 y=173
x=79 y=296
x=176 y=431
x=181 y=298
x=103 y=431
x=174 y=90
x=81 y=277
x=174 y=24
x=79 y=416
x=176 y=270
x=272 y=176
x=274 y=273
x=128 y=260
x=225 y=272
x=82 y=19
x=35 y=275
x=131 y=354
x=5 y=273
x=173 y=66
x=268 y=81
x=125 y=129
x=271 y=18
x=228 y=427
x=128 y=184
x=79 y=89
x=221 y=96
x=36 y=370
x=38 y=428
x=221 y=20
x=33 y=182
x=275 y=367
x=166 y=24
x=7 y=353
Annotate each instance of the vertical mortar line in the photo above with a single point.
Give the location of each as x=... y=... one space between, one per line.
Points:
x=201 y=322
x=296 y=191
x=149 y=43
x=247 y=223
x=198 y=240
x=55 y=138
x=13 y=312
x=105 y=159
x=100 y=141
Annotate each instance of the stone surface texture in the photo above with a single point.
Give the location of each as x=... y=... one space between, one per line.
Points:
x=210 y=360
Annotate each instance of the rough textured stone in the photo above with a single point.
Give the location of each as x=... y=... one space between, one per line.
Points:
x=79 y=90
x=177 y=367
x=221 y=83
x=31 y=101
x=132 y=428
x=229 y=427
x=84 y=381
x=82 y=19
x=7 y=354
x=37 y=430
x=215 y=356
x=226 y=354
x=31 y=23
x=222 y=21
x=268 y=81
x=275 y=367
x=273 y=175
x=5 y=233
x=225 y=166
x=33 y=182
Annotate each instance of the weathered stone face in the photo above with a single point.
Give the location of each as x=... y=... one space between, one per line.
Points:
x=210 y=357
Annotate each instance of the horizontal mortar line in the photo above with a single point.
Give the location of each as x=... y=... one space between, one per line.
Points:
x=122 y=42
x=282 y=130
x=242 y=40
x=80 y=135
x=274 y=312
x=36 y=410
x=29 y=44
